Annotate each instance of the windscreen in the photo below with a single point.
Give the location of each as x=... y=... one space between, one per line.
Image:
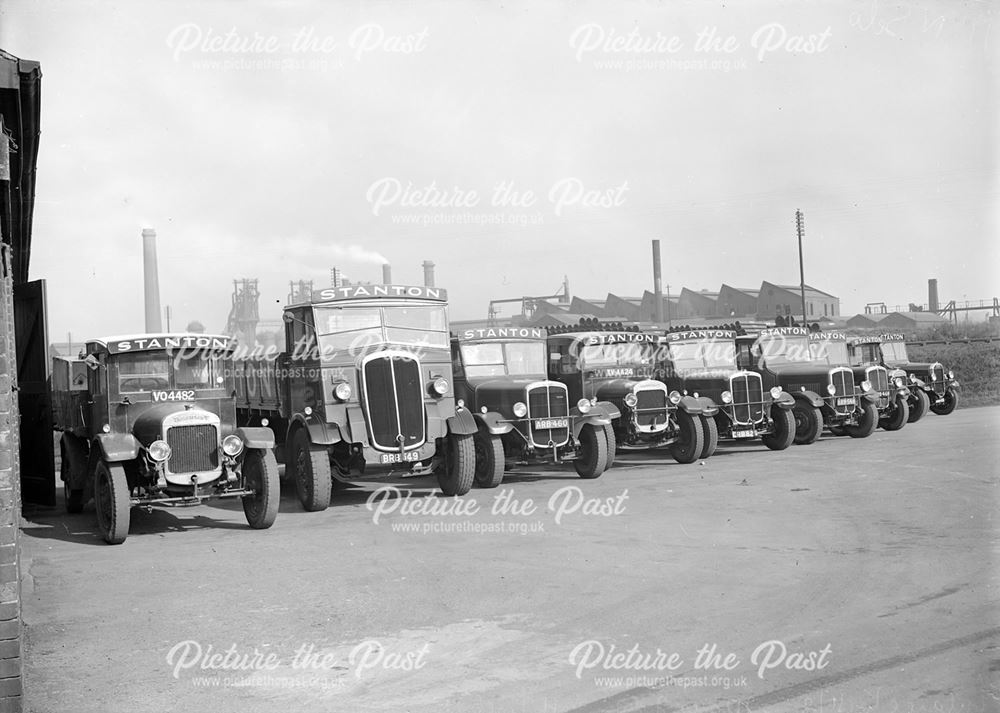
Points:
x=895 y=353
x=702 y=355
x=779 y=350
x=155 y=371
x=829 y=352
x=595 y=356
x=350 y=328
x=504 y=359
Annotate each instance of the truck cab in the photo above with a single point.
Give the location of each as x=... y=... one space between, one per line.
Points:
x=362 y=391
x=522 y=415
x=736 y=406
x=891 y=386
x=151 y=420
x=617 y=366
x=823 y=387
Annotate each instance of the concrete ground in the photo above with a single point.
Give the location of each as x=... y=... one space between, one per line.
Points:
x=849 y=575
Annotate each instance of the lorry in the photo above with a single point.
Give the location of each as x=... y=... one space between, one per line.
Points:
x=362 y=391
x=523 y=416
x=701 y=362
x=824 y=390
x=932 y=386
x=607 y=363
x=150 y=420
x=893 y=393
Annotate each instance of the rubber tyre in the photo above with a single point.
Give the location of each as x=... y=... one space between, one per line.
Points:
x=837 y=430
x=950 y=402
x=458 y=472
x=489 y=460
x=920 y=404
x=112 y=502
x=898 y=417
x=73 y=499
x=868 y=423
x=784 y=430
x=689 y=446
x=593 y=457
x=808 y=424
x=612 y=439
x=260 y=473
x=310 y=470
x=710 y=429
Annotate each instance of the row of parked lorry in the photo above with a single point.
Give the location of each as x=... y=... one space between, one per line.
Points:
x=373 y=384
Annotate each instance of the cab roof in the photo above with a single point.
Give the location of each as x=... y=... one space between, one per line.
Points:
x=354 y=293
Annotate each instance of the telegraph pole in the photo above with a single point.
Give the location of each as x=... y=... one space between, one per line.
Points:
x=800 y=228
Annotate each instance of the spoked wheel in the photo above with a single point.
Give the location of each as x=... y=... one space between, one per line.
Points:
x=311 y=471
x=489 y=459
x=260 y=474
x=948 y=405
x=112 y=500
x=808 y=423
x=688 y=447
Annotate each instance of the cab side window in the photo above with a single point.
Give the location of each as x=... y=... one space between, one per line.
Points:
x=301 y=334
x=456 y=360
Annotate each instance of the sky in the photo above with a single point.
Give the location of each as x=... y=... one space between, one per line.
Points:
x=510 y=143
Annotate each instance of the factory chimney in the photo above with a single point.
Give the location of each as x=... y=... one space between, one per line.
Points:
x=932 y=295
x=151 y=281
x=428 y=273
x=386 y=274
x=657 y=282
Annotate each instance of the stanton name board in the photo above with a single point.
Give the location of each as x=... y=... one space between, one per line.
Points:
x=504 y=333
x=164 y=341
x=702 y=334
x=367 y=292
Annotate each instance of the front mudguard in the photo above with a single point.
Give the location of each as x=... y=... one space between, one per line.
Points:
x=256 y=436
x=117 y=447
x=953 y=384
x=321 y=433
x=785 y=401
x=869 y=396
x=462 y=423
x=603 y=413
x=809 y=398
x=493 y=423
x=74 y=451
x=708 y=407
x=691 y=405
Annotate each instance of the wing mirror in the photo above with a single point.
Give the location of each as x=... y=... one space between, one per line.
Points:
x=92 y=362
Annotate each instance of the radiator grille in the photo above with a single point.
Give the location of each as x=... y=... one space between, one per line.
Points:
x=843 y=382
x=937 y=379
x=548 y=401
x=748 y=398
x=650 y=407
x=394 y=399
x=193 y=449
x=879 y=378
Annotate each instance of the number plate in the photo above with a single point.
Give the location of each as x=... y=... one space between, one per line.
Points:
x=845 y=401
x=744 y=434
x=550 y=423
x=408 y=457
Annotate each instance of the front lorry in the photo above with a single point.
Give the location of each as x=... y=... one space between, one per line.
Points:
x=701 y=363
x=933 y=387
x=362 y=391
x=522 y=416
x=618 y=367
x=150 y=420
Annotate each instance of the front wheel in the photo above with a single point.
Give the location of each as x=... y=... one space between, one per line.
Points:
x=948 y=405
x=593 y=457
x=710 y=429
x=310 y=469
x=808 y=423
x=919 y=405
x=898 y=417
x=612 y=439
x=260 y=474
x=489 y=459
x=457 y=473
x=866 y=426
x=784 y=430
x=72 y=497
x=688 y=447
x=112 y=501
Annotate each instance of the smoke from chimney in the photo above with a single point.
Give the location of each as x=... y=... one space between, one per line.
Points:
x=428 y=273
x=151 y=281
